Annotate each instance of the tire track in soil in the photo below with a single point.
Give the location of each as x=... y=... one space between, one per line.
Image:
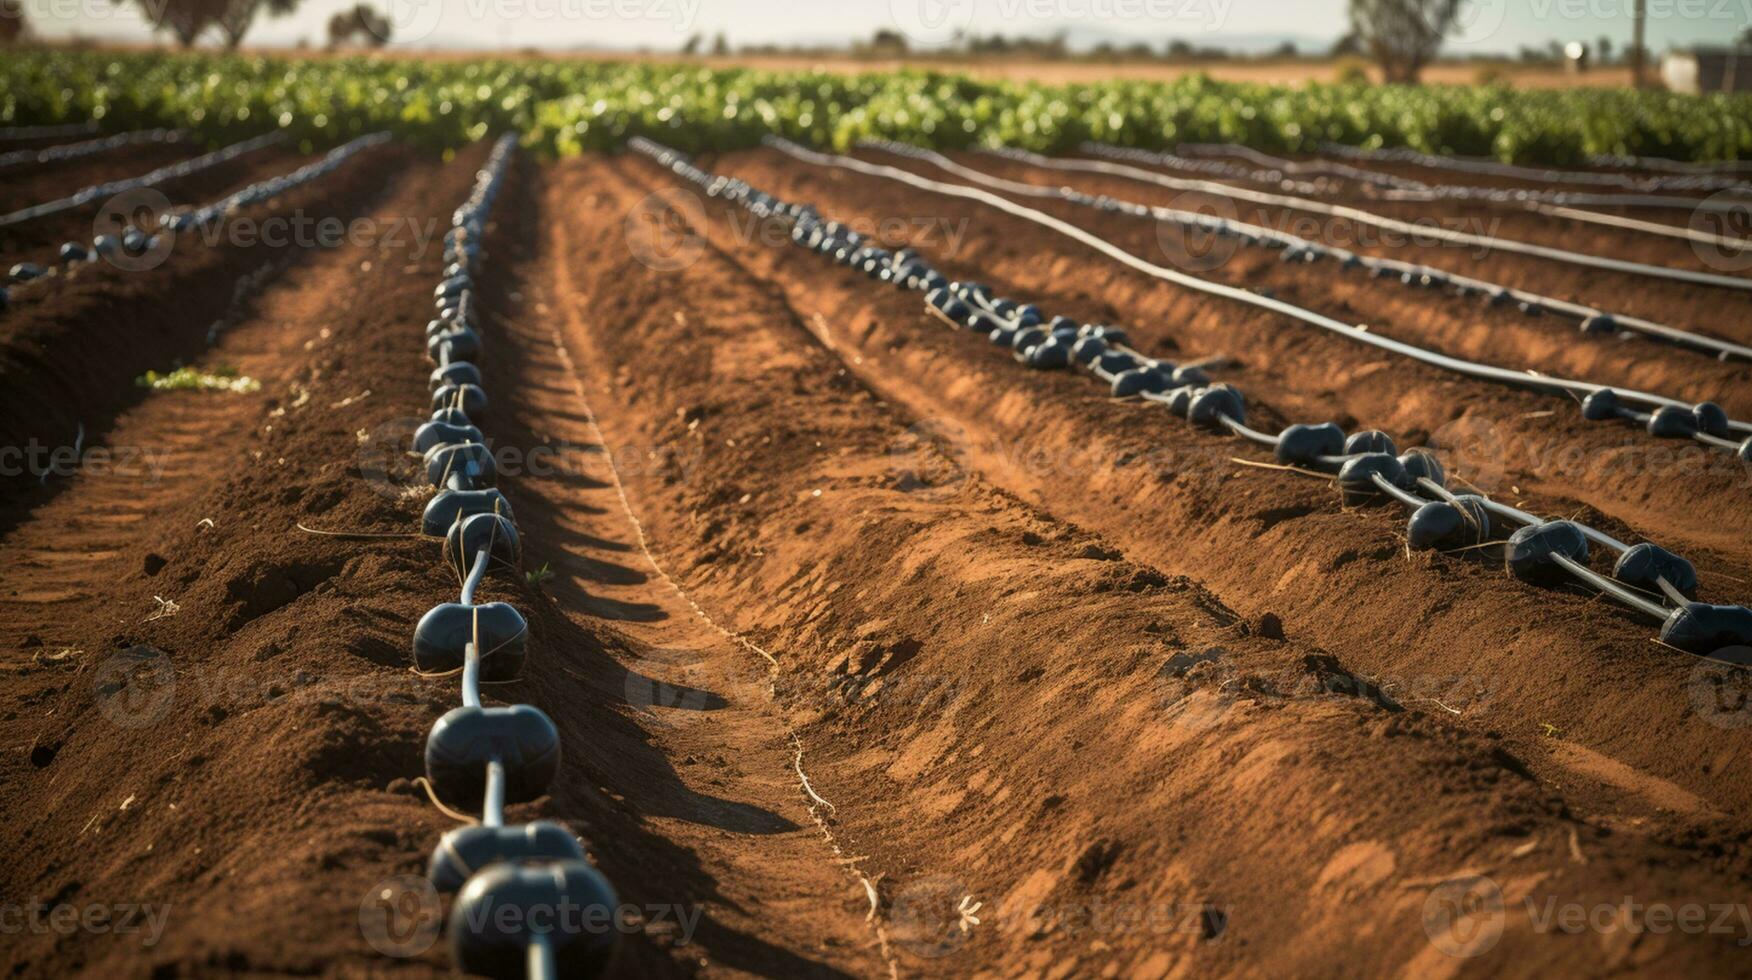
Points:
x=224 y=764
x=1081 y=734
x=1522 y=447
x=1342 y=580
x=717 y=781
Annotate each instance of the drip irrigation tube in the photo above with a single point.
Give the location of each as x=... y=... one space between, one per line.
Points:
x=1373 y=220
x=1543 y=175
x=1282 y=164
x=135 y=243
x=49 y=132
x=1490 y=372
x=74 y=151
x=173 y=171
x=1673 y=166
x=480 y=756
x=1592 y=318
x=1394 y=188
x=1364 y=463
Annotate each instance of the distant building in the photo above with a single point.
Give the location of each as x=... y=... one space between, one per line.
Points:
x=1697 y=70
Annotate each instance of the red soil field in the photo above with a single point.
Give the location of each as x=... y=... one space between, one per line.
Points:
x=872 y=653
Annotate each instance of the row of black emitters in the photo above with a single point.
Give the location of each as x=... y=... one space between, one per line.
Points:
x=1646 y=577
x=526 y=901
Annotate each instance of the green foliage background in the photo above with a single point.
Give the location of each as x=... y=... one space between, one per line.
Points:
x=572 y=106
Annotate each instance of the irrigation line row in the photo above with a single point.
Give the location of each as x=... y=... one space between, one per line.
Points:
x=49 y=132
x=1363 y=464
x=1593 y=319
x=85 y=148
x=141 y=250
x=1543 y=175
x=1391 y=187
x=1523 y=378
x=1409 y=228
x=152 y=178
x=511 y=883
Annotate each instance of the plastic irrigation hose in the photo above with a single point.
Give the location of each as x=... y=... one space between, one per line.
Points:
x=1288 y=166
x=74 y=151
x=1491 y=372
x=1260 y=232
x=49 y=132
x=1369 y=467
x=1394 y=188
x=183 y=169
x=1543 y=175
x=1393 y=224
x=279 y=184
x=1637 y=324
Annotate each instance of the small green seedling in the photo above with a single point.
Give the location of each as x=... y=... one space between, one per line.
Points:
x=189 y=379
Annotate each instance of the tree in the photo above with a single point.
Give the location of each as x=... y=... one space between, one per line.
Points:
x=240 y=14
x=890 y=43
x=11 y=20
x=186 y=20
x=370 y=27
x=1402 y=35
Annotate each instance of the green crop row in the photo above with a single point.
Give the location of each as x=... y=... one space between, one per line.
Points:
x=569 y=106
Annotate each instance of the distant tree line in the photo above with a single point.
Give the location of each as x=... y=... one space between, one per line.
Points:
x=187 y=21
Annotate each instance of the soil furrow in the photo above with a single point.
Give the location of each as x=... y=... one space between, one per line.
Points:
x=1177 y=500
x=1505 y=441
x=70 y=351
x=956 y=590
x=220 y=758
x=1680 y=305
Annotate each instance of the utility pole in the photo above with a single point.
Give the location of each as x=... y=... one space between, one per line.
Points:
x=1638 y=53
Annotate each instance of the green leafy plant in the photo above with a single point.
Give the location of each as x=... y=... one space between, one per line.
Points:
x=570 y=106
x=189 y=379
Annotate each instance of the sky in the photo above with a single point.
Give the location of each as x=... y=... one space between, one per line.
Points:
x=1487 y=25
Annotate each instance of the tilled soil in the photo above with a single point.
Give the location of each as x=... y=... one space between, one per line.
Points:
x=873 y=654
